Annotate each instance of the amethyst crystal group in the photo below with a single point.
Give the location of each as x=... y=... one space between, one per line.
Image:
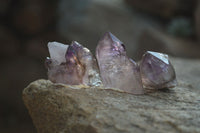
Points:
x=74 y=64
x=77 y=66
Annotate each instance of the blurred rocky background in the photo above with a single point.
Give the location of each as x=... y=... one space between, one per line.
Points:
x=169 y=26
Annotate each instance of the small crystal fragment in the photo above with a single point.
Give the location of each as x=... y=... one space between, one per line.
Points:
x=156 y=71
x=116 y=69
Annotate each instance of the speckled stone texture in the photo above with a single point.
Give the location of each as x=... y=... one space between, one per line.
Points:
x=56 y=108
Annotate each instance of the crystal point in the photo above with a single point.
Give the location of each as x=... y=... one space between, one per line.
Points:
x=156 y=71
x=116 y=69
x=112 y=37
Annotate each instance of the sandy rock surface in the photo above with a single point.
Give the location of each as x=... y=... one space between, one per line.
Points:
x=56 y=108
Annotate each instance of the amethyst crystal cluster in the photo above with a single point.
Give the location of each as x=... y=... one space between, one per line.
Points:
x=72 y=64
x=112 y=68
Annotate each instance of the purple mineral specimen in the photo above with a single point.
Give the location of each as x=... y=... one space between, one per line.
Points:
x=91 y=75
x=56 y=63
x=116 y=69
x=156 y=71
x=73 y=64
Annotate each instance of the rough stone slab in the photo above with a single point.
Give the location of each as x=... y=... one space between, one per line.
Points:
x=56 y=108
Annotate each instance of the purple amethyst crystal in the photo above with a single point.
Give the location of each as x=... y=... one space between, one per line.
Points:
x=78 y=66
x=87 y=60
x=56 y=64
x=116 y=69
x=156 y=71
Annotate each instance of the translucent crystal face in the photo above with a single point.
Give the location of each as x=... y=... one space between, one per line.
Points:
x=74 y=69
x=88 y=62
x=157 y=71
x=161 y=56
x=57 y=51
x=116 y=70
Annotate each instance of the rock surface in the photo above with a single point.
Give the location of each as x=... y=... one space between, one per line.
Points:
x=69 y=109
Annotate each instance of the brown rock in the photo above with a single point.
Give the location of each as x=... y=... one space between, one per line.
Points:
x=164 y=8
x=77 y=109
